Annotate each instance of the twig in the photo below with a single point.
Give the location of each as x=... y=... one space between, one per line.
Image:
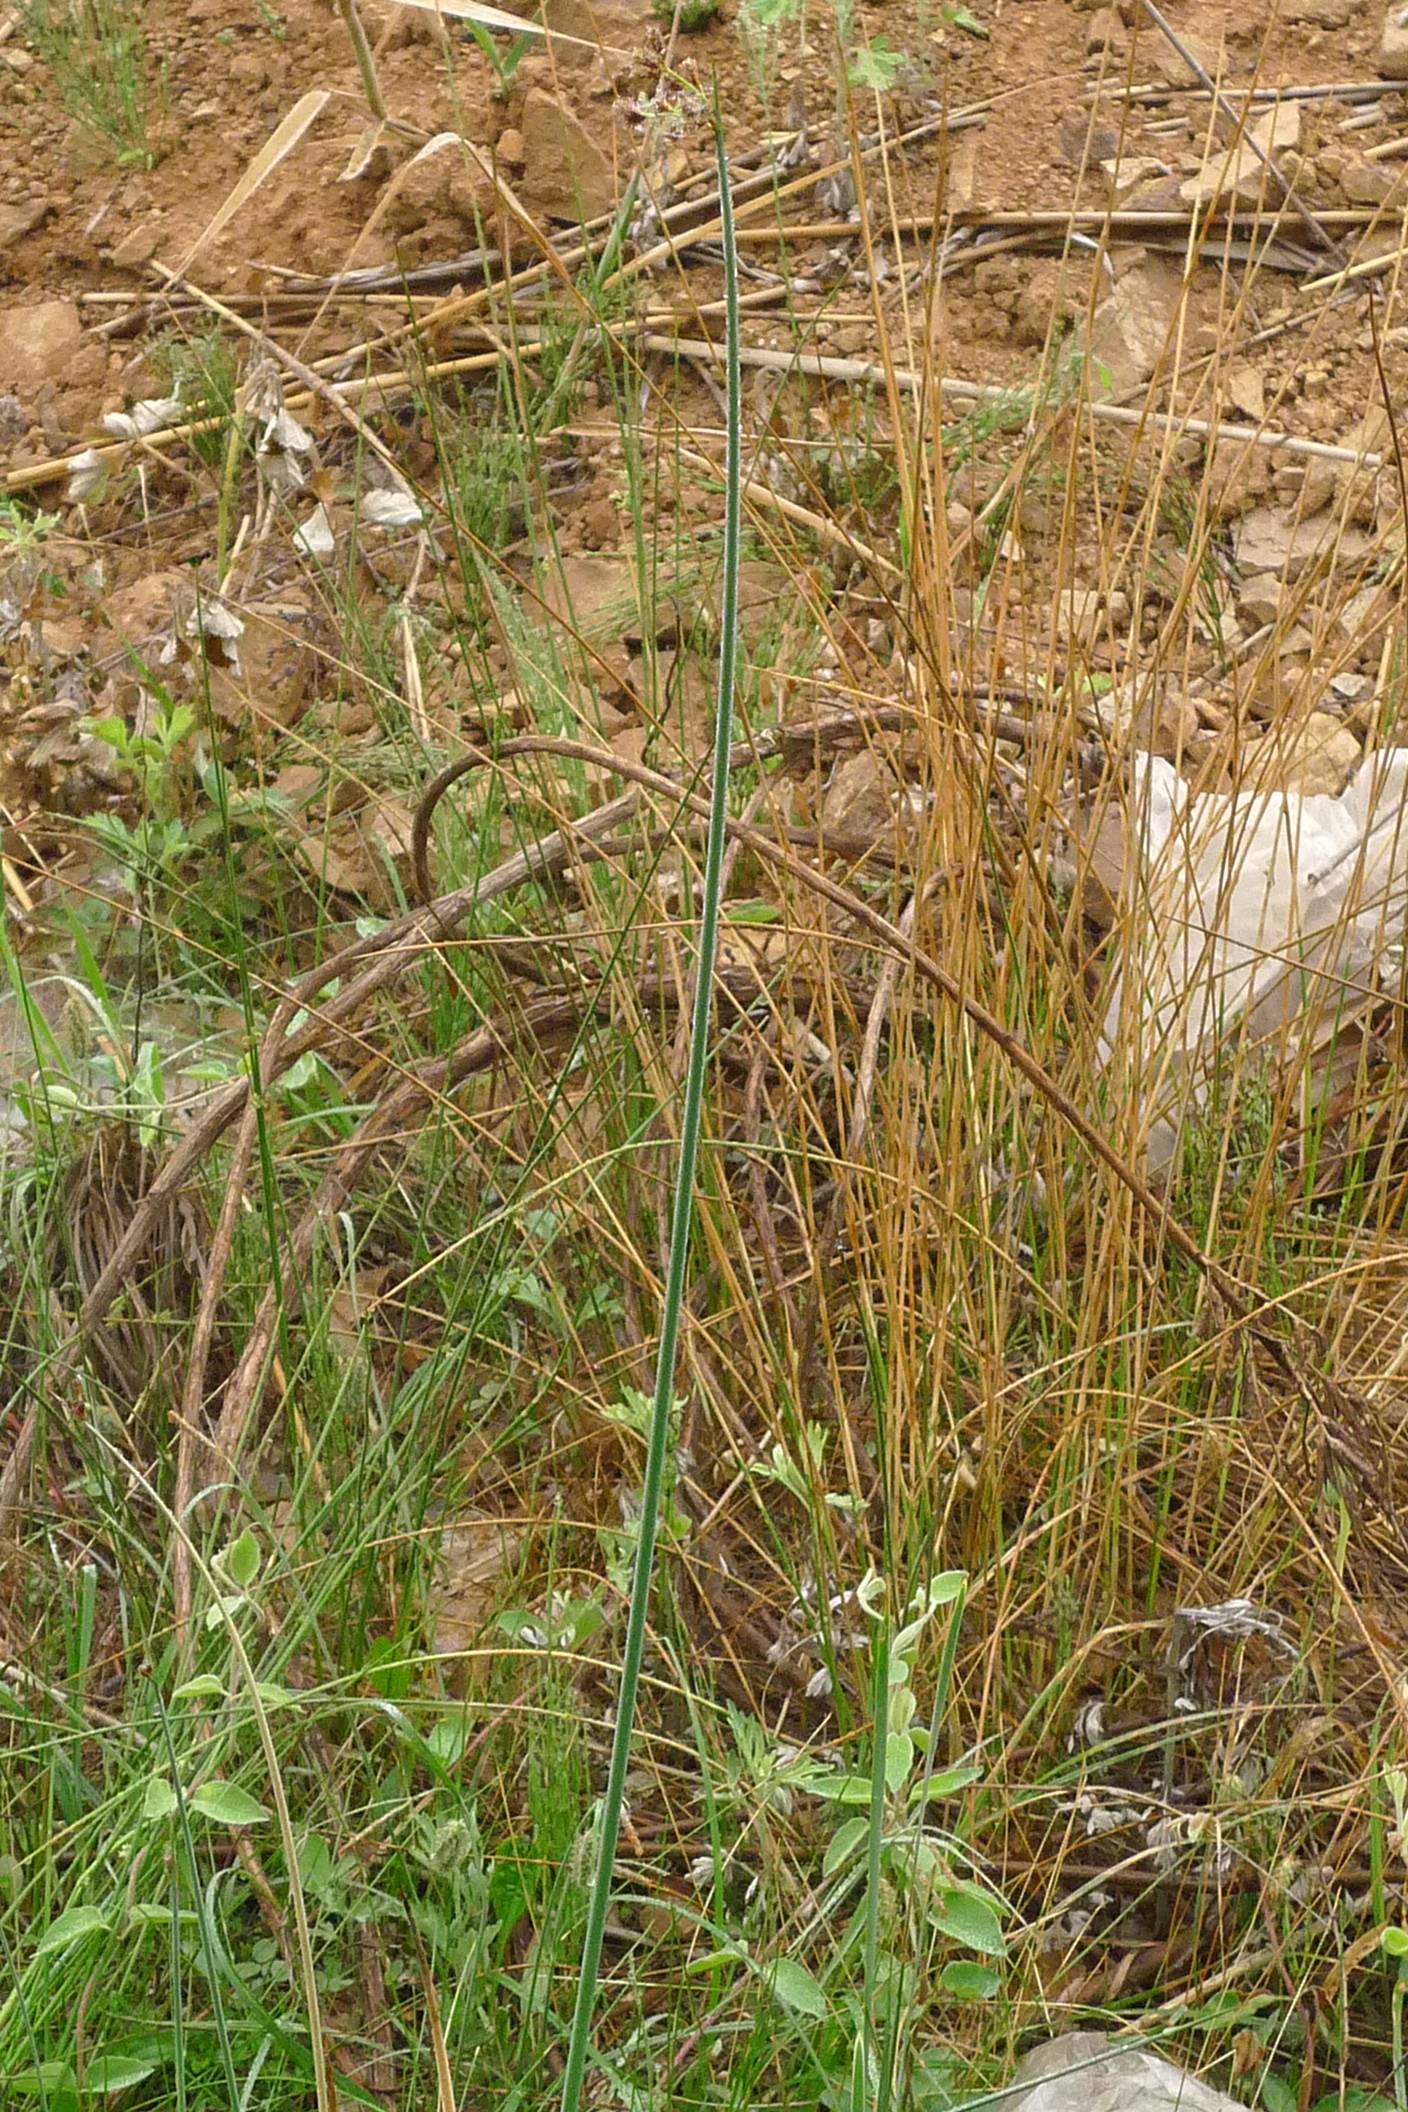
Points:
x=1308 y=220
x=831 y=368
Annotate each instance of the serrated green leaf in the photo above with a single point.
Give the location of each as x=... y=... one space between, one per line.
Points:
x=1278 y=2096
x=71 y=1927
x=204 y=1687
x=964 y=18
x=796 y=1989
x=159 y=1799
x=843 y=1845
x=227 y=1805
x=970 y=1981
x=962 y=1912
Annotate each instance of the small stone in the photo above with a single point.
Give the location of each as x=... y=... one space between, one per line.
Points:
x=17 y=221
x=1320 y=14
x=1104 y=32
x=1367 y=182
x=137 y=247
x=1246 y=391
x=1133 y=325
x=1393 y=45
x=1172 y=67
x=1260 y=600
x=1079 y=139
x=1319 y=754
x=510 y=148
x=37 y=343
x=1266 y=541
x=566 y=174
x=1079 y=614
x=617 y=29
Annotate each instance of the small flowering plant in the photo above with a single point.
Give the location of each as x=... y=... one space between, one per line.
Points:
x=921 y=1862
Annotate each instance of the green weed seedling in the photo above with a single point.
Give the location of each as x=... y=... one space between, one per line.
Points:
x=97 y=53
x=694 y=15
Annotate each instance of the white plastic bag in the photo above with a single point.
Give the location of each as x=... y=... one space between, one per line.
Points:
x=1253 y=922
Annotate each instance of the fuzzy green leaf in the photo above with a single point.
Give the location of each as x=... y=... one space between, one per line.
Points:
x=70 y=1927
x=227 y=1805
x=796 y=1989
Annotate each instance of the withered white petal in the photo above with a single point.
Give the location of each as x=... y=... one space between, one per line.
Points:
x=153 y=413
x=87 y=473
x=315 y=537
x=214 y=619
x=283 y=430
x=390 y=509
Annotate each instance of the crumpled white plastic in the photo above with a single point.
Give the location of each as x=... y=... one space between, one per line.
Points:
x=1088 y=2071
x=1262 y=914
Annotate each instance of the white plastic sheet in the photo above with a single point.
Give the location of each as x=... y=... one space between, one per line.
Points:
x=1253 y=921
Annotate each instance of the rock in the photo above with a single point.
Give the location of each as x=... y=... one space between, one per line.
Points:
x=145 y=614
x=1132 y=325
x=1084 y=617
x=1260 y=600
x=1080 y=139
x=1239 y=177
x=38 y=342
x=566 y=174
x=1393 y=46
x=137 y=247
x=17 y=221
x=1368 y=182
x=1087 y=2071
x=861 y=804
x=1126 y=175
x=1319 y=14
x=616 y=27
x=278 y=667
x=1246 y=391
x=1265 y=541
x=449 y=184
x=1319 y=754
x=509 y=149
x=1171 y=66
x=1104 y=32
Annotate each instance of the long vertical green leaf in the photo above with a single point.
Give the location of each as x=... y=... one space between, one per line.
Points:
x=682 y=1213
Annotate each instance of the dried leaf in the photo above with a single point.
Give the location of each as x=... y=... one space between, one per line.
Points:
x=315 y=538
x=394 y=508
x=371 y=156
x=495 y=18
x=87 y=474
x=150 y=416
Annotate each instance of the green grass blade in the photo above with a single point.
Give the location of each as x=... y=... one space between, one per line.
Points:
x=683 y=1207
